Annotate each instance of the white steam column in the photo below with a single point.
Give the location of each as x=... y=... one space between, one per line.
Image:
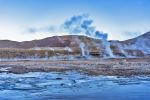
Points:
x=82 y=46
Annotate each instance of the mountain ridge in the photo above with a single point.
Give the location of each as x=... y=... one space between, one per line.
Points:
x=80 y=45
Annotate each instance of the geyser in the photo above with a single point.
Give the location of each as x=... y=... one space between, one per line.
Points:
x=82 y=25
x=82 y=48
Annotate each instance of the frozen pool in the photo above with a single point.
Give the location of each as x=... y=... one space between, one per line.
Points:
x=72 y=86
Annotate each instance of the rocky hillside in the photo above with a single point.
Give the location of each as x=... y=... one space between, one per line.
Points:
x=139 y=46
x=74 y=45
x=55 y=41
x=53 y=46
x=139 y=43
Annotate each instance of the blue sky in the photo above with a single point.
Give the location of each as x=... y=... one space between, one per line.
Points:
x=121 y=19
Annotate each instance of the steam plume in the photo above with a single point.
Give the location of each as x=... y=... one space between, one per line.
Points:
x=82 y=25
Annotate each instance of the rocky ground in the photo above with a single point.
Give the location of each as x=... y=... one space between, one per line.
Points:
x=121 y=67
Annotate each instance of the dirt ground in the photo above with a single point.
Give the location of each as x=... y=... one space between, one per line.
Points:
x=121 y=67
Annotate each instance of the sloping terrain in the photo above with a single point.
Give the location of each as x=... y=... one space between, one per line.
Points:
x=52 y=46
x=75 y=45
x=55 y=41
x=136 y=47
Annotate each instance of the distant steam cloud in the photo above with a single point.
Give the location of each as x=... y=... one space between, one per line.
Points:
x=77 y=25
x=81 y=24
x=33 y=30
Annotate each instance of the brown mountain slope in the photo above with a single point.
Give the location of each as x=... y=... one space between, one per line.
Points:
x=52 y=46
x=136 y=47
x=140 y=40
x=55 y=41
x=139 y=46
x=139 y=43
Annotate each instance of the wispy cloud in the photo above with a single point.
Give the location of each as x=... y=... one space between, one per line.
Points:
x=34 y=30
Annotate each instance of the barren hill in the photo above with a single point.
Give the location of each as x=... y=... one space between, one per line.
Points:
x=75 y=45
x=55 y=41
x=138 y=46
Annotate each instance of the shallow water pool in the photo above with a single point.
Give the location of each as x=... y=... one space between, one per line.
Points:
x=72 y=86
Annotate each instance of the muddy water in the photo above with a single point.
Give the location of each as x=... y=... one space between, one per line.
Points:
x=72 y=86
